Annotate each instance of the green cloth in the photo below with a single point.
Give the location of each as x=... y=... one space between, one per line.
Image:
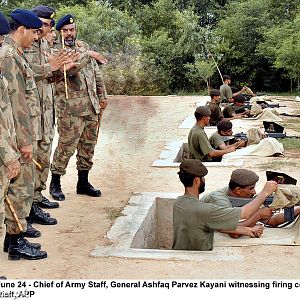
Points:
x=218 y=197
x=199 y=145
x=194 y=223
x=216 y=114
x=216 y=140
x=228 y=111
x=226 y=92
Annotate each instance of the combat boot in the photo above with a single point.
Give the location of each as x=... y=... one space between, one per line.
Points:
x=31 y=231
x=84 y=187
x=37 y=215
x=46 y=203
x=19 y=249
x=55 y=188
x=7 y=243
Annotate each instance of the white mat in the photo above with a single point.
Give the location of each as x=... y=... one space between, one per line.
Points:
x=289 y=235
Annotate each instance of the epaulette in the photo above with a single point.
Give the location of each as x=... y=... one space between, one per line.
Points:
x=9 y=52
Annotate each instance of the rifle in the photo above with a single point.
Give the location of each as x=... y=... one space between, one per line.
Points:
x=276 y=131
x=240 y=136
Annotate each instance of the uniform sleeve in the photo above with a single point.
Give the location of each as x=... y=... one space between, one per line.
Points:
x=204 y=144
x=216 y=140
x=228 y=92
x=100 y=85
x=41 y=72
x=224 y=217
x=16 y=89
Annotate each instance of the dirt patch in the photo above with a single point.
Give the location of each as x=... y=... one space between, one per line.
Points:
x=133 y=133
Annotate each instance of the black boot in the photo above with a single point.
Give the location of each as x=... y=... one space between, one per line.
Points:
x=46 y=203
x=19 y=249
x=7 y=243
x=37 y=215
x=31 y=231
x=55 y=188
x=84 y=187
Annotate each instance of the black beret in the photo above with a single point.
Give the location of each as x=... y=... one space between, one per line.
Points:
x=214 y=92
x=193 y=167
x=224 y=126
x=4 y=25
x=26 y=18
x=65 y=20
x=44 y=11
x=244 y=177
x=203 y=111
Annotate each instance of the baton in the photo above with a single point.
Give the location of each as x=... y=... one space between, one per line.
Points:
x=65 y=72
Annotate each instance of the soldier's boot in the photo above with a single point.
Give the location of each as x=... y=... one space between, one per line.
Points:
x=55 y=188
x=84 y=187
x=20 y=249
x=31 y=231
x=46 y=203
x=7 y=242
x=37 y=215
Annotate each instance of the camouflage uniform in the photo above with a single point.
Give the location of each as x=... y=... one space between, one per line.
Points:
x=37 y=56
x=8 y=145
x=27 y=119
x=78 y=116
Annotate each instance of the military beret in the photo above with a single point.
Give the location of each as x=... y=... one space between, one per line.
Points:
x=203 y=111
x=26 y=18
x=214 y=92
x=193 y=167
x=244 y=177
x=4 y=25
x=44 y=11
x=65 y=20
x=224 y=125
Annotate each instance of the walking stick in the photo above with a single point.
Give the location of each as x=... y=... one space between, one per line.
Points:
x=65 y=72
x=38 y=165
x=12 y=211
x=210 y=55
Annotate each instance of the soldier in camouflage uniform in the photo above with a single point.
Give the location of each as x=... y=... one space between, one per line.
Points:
x=26 y=114
x=78 y=116
x=39 y=56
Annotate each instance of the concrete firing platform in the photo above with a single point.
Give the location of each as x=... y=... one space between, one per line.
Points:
x=132 y=231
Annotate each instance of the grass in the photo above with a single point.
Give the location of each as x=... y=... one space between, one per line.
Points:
x=277 y=164
x=290 y=143
x=113 y=212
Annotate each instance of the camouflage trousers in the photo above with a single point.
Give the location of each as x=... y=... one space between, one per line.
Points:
x=43 y=153
x=4 y=184
x=20 y=194
x=75 y=133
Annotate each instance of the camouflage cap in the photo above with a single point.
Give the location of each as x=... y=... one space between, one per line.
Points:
x=244 y=177
x=193 y=167
x=203 y=110
x=214 y=92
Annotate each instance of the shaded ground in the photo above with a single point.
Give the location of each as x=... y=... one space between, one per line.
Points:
x=133 y=133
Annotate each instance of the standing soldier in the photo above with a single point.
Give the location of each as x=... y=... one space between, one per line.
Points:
x=9 y=154
x=26 y=114
x=78 y=108
x=43 y=64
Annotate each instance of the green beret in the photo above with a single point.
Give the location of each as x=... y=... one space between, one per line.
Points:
x=193 y=167
x=244 y=177
x=203 y=111
x=214 y=92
